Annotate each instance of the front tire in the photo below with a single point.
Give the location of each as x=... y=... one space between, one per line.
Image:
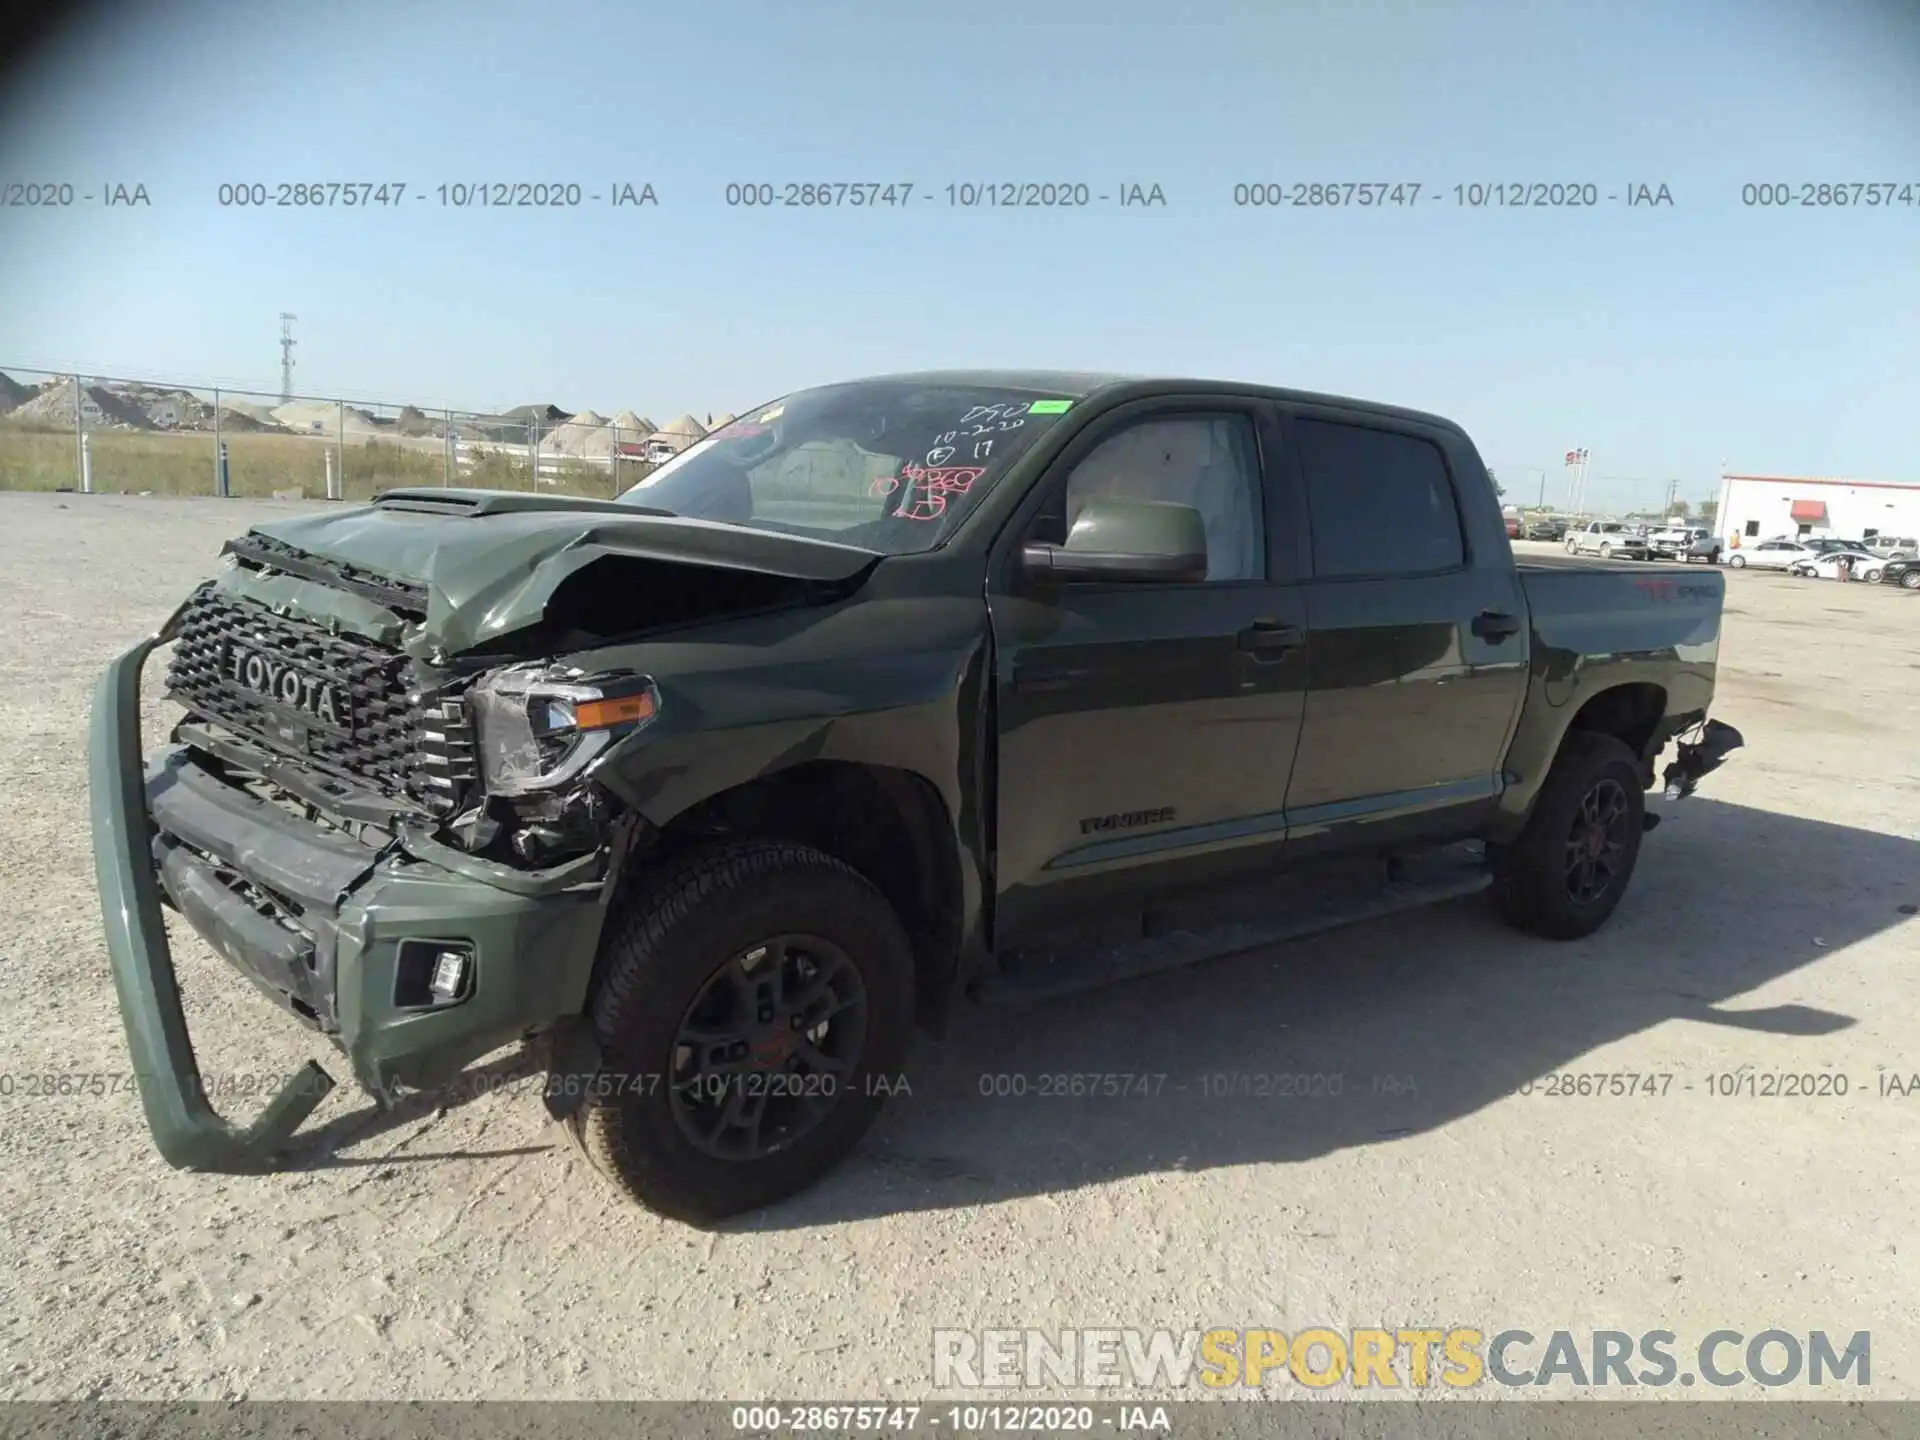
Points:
x=1910 y=580
x=1565 y=874
x=756 y=1000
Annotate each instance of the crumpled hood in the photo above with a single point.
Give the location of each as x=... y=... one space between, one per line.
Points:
x=489 y=560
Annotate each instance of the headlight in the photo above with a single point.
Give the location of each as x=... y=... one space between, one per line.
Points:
x=541 y=725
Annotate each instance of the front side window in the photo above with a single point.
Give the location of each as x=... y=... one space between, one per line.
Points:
x=1208 y=462
x=1381 y=502
x=887 y=465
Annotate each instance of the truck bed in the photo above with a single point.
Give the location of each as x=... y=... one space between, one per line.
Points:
x=1592 y=617
x=1561 y=562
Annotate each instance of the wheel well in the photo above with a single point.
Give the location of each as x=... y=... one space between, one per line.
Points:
x=889 y=824
x=1630 y=713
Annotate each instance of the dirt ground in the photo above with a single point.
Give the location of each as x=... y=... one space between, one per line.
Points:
x=459 y=1249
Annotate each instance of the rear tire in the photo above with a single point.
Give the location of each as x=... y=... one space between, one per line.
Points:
x=731 y=938
x=1565 y=874
x=1738 y=562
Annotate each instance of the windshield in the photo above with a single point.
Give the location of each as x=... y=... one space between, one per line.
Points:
x=888 y=465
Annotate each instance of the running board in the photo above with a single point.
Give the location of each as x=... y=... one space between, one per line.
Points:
x=1043 y=973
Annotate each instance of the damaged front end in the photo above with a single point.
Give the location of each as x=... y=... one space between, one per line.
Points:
x=361 y=876
x=379 y=805
x=539 y=730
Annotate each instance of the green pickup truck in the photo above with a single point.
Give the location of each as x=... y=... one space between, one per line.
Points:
x=982 y=685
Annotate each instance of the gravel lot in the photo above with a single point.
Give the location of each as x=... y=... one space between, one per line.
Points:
x=466 y=1252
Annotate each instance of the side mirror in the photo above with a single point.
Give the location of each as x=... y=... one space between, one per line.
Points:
x=1144 y=542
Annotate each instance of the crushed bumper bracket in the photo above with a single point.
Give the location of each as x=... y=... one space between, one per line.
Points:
x=189 y=1133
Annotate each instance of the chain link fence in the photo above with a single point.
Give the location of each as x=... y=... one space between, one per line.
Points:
x=112 y=435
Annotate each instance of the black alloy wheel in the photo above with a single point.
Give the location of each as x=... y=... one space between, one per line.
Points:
x=1567 y=870
x=765 y=1046
x=1597 y=842
x=752 y=1008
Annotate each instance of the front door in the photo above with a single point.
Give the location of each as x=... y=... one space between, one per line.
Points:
x=1147 y=731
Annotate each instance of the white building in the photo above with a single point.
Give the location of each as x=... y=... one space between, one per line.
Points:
x=1763 y=507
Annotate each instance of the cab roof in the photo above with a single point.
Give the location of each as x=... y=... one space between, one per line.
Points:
x=1110 y=385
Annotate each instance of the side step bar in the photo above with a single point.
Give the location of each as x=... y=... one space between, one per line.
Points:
x=1045 y=973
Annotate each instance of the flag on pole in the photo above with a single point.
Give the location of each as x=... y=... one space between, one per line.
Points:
x=1576 y=457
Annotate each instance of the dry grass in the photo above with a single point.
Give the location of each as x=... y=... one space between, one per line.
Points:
x=133 y=462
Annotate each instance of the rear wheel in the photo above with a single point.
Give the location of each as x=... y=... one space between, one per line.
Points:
x=753 y=995
x=1738 y=562
x=1565 y=874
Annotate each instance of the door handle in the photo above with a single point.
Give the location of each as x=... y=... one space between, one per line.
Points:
x=1495 y=625
x=1270 y=637
x=1049 y=677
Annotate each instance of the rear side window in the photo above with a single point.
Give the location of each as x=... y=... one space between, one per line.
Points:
x=1381 y=502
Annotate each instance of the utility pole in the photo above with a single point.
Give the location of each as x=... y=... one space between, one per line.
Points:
x=1580 y=481
x=287 y=343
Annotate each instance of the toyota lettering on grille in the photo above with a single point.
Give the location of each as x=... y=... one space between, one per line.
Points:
x=289 y=686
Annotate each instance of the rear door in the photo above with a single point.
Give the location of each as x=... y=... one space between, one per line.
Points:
x=1147 y=731
x=1417 y=635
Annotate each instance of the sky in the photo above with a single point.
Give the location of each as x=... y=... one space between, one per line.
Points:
x=1667 y=339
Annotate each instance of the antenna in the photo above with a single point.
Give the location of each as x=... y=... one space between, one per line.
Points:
x=287 y=342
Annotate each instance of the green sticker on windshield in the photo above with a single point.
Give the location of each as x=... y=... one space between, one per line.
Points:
x=1049 y=407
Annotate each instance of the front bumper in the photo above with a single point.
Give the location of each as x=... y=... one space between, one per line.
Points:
x=318 y=921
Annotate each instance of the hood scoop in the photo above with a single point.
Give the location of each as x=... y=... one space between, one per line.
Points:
x=423 y=501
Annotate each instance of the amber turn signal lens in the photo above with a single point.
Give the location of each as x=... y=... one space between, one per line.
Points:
x=604 y=714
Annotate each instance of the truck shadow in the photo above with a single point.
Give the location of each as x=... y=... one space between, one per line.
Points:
x=1448 y=1007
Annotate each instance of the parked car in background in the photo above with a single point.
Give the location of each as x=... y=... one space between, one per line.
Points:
x=1514 y=527
x=1674 y=541
x=1547 y=530
x=1828 y=564
x=1706 y=546
x=1607 y=539
x=1904 y=573
x=1772 y=554
x=1890 y=547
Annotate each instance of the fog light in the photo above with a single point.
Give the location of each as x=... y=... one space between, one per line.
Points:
x=449 y=976
x=433 y=974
